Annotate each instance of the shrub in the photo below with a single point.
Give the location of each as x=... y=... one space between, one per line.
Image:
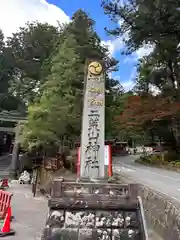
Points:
x=170 y=156
x=170 y=159
x=173 y=163
x=177 y=164
x=144 y=159
x=170 y=164
x=156 y=159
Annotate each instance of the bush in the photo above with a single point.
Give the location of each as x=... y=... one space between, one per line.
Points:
x=153 y=159
x=173 y=163
x=170 y=156
x=170 y=164
x=177 y=164
x=170 y=160
x=144 y=159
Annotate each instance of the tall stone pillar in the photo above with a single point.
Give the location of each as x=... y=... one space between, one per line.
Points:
x=92 y=135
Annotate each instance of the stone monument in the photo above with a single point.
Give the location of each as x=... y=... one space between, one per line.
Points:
x=92 y=138
x=93 y=210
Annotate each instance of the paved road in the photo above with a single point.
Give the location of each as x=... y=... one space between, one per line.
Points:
x=164 y=181
x=30 y=213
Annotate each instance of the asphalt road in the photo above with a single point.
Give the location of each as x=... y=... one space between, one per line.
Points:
x=164 y=181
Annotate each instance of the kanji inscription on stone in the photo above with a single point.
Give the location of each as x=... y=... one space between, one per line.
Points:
x=92 y=139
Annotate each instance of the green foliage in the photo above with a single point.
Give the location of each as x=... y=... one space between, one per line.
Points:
x=58 y=111
x=89 y=46
x=177 y=164
x=170 y=156
x=60 y=105
x=151 y=160
x=152 y=24
x=31 y=47
x=146 y=21
x=164 y=159
x=7 y=101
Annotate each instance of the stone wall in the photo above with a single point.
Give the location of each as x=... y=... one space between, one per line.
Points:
x=161 y=213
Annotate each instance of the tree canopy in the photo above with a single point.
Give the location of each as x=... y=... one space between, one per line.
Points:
x=152 y=24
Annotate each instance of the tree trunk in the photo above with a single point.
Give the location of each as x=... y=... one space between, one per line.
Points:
x=176 y=131
x=15 y=159
x=15 y=154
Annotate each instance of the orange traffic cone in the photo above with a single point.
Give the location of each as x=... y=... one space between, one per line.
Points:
x=5 y=229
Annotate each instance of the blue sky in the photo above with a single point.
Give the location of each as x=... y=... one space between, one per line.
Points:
x=93 y=8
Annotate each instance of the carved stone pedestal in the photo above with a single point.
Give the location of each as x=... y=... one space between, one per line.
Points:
x=88 y=210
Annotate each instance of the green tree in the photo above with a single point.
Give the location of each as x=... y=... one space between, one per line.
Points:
x=7 y=101
x=31 y=48
x=86 y=44
x=58 y=112
x=154 y=23
x=89 y=46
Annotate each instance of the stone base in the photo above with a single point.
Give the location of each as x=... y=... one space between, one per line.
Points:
x=93 y=180
x=98 y=180
x=60 y=225
x=71 y=203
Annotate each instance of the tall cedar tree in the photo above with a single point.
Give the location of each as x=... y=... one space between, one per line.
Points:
x=89 y=46
x=58 y=111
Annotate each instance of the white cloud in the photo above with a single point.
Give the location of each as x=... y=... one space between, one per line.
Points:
x=144 y=51
x=113 y=45
x=141 y=52
x=15 y=13
x=127 y=86
x=129 y=83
